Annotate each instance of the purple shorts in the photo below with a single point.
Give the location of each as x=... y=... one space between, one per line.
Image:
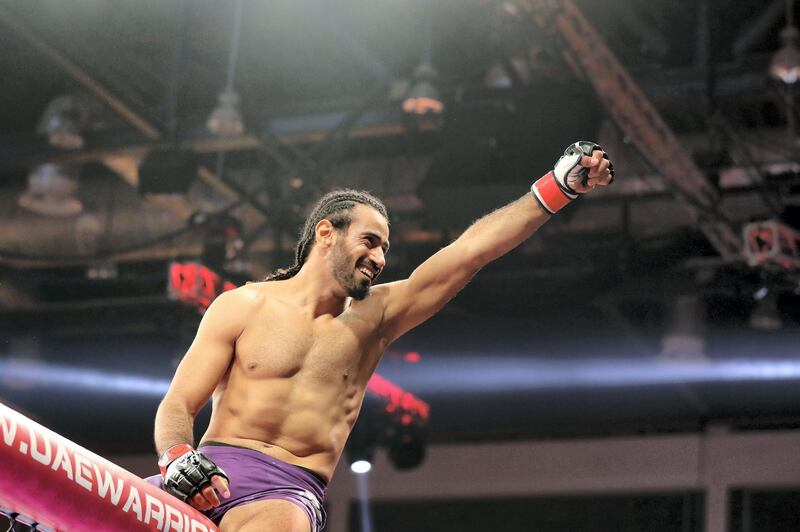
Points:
x=255 y=476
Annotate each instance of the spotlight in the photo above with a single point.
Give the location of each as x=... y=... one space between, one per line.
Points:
x=62 y=122
x=51 y=191
x=785 y=64
x=226 y=119
x=423 y=97
x=361 y=466
x=360 y=459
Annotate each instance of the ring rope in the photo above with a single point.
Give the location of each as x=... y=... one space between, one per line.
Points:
x=64 y=487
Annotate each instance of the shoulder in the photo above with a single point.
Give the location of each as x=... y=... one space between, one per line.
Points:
x=248 y=294
x=238 y=304
x=381 y=297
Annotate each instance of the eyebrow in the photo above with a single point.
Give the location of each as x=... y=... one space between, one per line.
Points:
x=385 y=244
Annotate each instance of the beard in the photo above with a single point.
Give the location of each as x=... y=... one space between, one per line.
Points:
x=344 y=271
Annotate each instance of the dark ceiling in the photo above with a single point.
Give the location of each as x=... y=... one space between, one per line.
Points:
x=320 y=86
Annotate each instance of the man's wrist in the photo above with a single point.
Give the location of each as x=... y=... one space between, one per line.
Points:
x=550 y=195
x=171 y=454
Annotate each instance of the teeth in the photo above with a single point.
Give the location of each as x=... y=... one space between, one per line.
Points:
x=366 y=272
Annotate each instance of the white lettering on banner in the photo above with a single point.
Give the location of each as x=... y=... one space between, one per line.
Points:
x=23 y=444
x=86 y=473
x=174 y=520
x=134 y=502
x=62 y=461
x=197 y=526
x=105 y=482
x=45 y=457
x=83 y=475
x=154 y=509
x=9 y=428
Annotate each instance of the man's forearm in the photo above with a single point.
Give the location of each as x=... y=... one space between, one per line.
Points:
x=499 y=232
x=174 y=424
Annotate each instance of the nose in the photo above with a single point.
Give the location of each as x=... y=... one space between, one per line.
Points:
x=378 y=258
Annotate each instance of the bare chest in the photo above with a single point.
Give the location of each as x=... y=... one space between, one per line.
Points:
x=282 y=345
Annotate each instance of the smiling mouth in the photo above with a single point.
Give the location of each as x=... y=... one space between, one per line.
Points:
x=367 y=272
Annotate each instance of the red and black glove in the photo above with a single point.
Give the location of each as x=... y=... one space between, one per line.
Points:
x=186 y=471
x=557 y=188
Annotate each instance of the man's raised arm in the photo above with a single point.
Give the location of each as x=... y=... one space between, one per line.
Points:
x=410 y=302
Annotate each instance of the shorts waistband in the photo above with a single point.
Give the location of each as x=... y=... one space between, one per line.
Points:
x=212 y=443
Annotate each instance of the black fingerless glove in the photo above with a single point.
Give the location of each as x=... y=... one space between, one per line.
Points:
x=186 y=471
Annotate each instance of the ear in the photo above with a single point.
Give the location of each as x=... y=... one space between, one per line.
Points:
x=325 y=233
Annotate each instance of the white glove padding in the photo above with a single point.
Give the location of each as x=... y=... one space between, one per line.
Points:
x=568 y=171
x=556 y=189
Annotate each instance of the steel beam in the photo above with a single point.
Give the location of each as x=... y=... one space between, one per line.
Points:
x=79 y=74
x=632 y=111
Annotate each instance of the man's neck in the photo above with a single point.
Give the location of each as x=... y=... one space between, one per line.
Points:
x=316 y=290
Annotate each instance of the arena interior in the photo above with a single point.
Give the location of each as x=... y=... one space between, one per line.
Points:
x=632 y=367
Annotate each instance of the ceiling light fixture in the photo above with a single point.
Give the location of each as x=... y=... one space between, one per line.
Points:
x=423 y=97
x=62 y=122
x=785 y=64
x=226 y=119
x=51 y=191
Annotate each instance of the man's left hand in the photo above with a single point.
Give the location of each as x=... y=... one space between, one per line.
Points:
x=601 y=172
x=583 y=166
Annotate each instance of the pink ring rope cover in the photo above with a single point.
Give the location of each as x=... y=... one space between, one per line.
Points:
x=63 y=486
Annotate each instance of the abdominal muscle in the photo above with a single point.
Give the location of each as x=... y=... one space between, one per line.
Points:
x=301 y=420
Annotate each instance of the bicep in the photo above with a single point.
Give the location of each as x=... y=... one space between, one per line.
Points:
x=429 y=287
x=208 y=358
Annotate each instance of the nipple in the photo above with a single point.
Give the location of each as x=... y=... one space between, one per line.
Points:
x=346 y=373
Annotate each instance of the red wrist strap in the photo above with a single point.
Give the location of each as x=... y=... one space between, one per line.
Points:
x=549 y=194
x=176 y=451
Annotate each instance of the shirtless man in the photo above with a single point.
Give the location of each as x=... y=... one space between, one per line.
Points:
x=287 y=361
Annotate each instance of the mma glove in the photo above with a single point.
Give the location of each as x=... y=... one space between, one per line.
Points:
x=556 y=189
x=186 y=471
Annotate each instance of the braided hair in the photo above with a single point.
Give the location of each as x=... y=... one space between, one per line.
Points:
x=336 y=207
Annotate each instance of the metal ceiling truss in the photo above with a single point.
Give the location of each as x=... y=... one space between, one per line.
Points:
x=633 y=112
x=13 y=23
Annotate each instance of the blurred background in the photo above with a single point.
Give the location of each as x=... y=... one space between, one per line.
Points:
x=632 y=367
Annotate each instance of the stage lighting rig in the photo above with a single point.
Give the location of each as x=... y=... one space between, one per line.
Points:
x=772 y=245
x=406 y=445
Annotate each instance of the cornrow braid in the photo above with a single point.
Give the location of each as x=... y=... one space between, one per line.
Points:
x=335 y=206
